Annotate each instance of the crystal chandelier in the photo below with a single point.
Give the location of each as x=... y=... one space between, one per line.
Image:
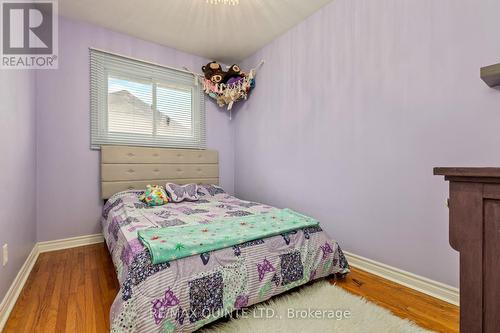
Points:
x=224 y=2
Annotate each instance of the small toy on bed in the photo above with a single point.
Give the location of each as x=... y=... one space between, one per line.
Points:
x=154 y=196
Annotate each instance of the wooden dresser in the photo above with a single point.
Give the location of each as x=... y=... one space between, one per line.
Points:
x=475 y=232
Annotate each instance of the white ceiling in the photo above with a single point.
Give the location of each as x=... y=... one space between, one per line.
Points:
x=221 y=32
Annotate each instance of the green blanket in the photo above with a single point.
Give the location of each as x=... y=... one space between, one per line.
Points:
x=176 y=242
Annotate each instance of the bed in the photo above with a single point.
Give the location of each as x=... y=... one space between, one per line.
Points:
x=185 y=294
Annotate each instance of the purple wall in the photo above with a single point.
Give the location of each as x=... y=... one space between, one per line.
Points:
x=17 y=176
x=353 y=109
x=67 y=170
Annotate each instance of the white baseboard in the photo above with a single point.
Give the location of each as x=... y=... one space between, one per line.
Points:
x=427 y=286
x=16 y=287
x=410 y=280
x=68 y=243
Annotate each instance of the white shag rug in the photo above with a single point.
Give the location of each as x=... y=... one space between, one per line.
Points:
x=320 y=307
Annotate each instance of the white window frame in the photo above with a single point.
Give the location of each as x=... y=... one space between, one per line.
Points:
x=104 y=65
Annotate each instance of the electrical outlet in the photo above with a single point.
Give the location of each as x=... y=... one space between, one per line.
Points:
x=5 y=250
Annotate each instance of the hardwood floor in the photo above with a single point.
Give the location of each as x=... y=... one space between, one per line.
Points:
x=72 y=291
x=428 y=312
x=68 y=291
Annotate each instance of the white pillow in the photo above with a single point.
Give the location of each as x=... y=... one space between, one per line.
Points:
x=180 y=193
x=210 y=190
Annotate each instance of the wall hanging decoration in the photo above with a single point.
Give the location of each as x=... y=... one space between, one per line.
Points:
x=229 y=86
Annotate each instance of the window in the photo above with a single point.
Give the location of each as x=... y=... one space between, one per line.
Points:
x=143 y=104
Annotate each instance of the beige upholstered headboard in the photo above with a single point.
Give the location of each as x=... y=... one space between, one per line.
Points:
x=124 y=167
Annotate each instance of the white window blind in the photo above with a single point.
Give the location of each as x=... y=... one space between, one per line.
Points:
x=143 y=104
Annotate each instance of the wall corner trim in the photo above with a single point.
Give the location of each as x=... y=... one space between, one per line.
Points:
x=16 y=287
x=427 y=286
x=68 y=243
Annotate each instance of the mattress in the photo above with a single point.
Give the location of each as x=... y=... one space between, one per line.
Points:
x=185 y=294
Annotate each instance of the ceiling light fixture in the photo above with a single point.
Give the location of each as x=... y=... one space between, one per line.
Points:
x=224 y=2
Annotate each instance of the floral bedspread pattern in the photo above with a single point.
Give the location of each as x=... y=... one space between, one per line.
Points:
x=184 y=294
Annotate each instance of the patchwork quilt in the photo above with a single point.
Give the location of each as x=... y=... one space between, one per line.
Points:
x=185 y=294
